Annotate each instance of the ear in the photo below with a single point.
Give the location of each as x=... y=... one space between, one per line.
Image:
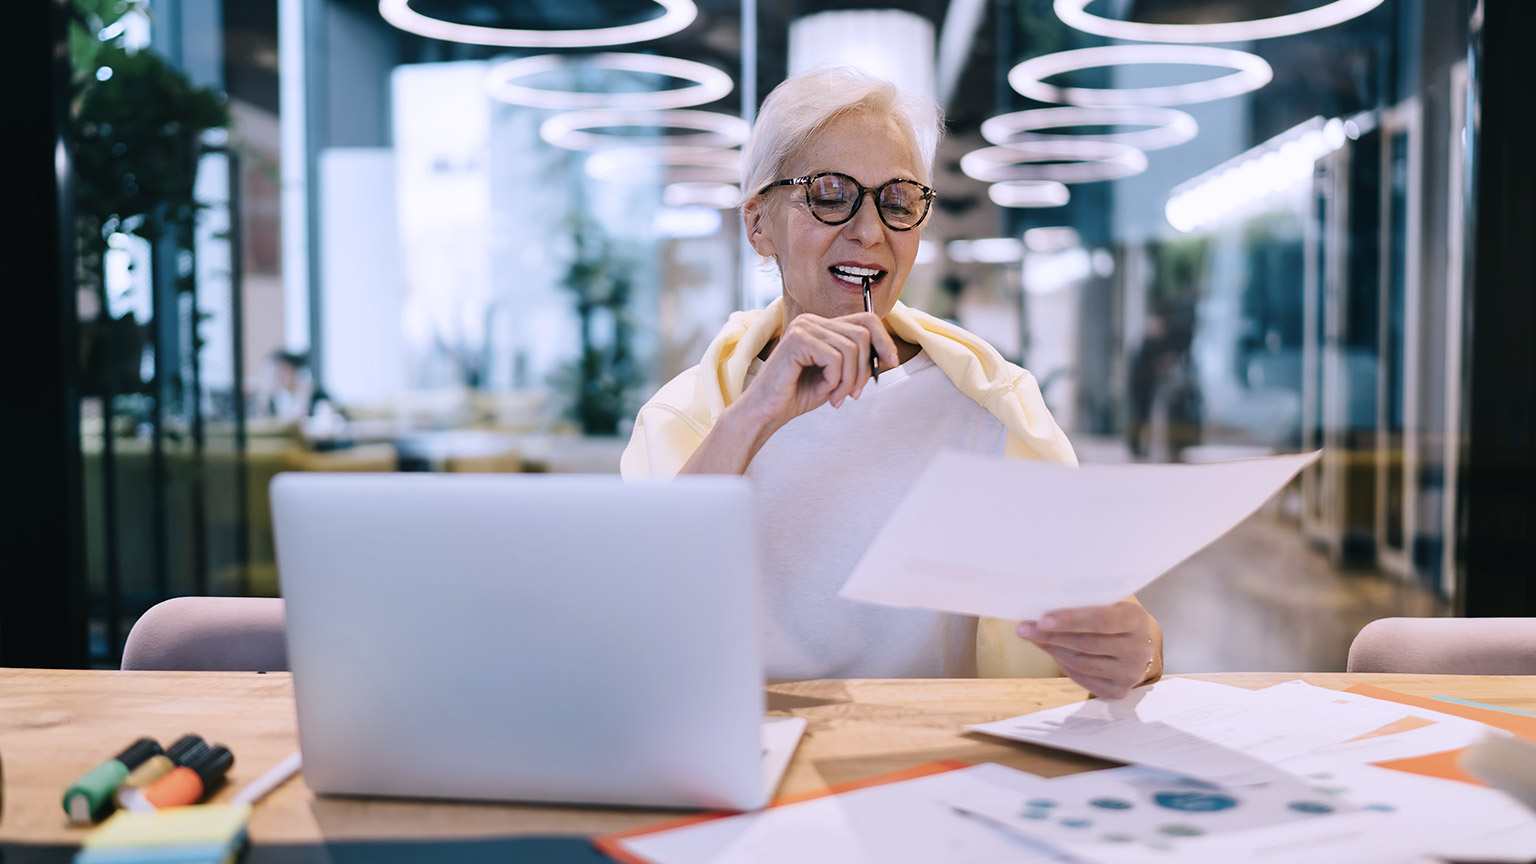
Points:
x=754 y=217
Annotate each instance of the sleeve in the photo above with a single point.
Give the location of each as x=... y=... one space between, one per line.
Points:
x=665 y=434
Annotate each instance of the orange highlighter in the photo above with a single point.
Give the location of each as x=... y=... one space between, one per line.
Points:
x=186 y=784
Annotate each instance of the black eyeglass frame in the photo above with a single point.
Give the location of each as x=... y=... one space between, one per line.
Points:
x=806 y=181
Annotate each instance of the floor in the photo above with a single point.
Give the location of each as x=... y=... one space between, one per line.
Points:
x=1262 y=599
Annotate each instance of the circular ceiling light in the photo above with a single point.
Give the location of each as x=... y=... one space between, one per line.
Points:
x=1029 y=193
x=1250 y=72
x=708 y=83
x=722 y=196
x=1170 y=126
x=1074 y=14
x=675 y=15
x=1061 y=161
x=570 y=130
x=682 y=164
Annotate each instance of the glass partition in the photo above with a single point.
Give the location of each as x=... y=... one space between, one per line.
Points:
x=467 y=236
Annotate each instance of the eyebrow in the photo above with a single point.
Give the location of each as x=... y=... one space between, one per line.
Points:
x=814 y=172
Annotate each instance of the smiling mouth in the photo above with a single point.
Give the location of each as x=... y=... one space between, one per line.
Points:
x=856 y=275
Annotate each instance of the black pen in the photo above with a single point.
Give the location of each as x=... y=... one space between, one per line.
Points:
x=874 y=358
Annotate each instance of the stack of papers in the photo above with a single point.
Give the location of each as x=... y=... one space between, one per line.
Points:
x=1221 y=733
x=1220 y=774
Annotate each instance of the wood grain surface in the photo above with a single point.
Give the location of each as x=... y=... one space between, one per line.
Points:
x=56 y=725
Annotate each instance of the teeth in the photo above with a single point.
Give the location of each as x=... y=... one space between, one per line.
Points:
x=857 y=271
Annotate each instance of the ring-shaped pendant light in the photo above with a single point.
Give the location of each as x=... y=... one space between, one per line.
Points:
x=1250 y=72
x=570 y=130
x=1074 y=14
x=683 y=164
x=708 y=83
x=1029 y=193
x=675 y=15
x=1061 y=161
x=722 y=196
x=1170 y=126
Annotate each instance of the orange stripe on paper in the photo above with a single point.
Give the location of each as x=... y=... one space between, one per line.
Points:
x=609 y=844
x=1447 y=764
x=1519 y=724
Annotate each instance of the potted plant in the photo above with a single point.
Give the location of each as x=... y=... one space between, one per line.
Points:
x=137 y=124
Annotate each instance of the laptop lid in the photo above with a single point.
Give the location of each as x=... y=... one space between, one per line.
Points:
x=524 y=637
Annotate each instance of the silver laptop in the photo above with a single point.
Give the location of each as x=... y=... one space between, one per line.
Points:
x=527 y=637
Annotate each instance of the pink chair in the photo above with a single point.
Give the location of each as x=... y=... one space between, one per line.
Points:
x=235 y=634
x=1446 y=646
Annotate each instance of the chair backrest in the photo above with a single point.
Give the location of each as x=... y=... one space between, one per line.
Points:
x=1446 y=646
x=235 y=634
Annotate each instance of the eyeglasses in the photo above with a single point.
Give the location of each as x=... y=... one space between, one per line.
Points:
x=834 y=199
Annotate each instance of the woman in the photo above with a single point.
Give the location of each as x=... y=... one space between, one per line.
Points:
x=836 y=180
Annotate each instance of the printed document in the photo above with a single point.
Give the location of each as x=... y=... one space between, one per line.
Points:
x=1014 y=539
x=1199 y=728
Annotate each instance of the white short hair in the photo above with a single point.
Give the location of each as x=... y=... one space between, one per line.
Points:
x=804 y=104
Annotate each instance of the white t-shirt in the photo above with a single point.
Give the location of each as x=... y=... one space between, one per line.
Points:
x=825 y=484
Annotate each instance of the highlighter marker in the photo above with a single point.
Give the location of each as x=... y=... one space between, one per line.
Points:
x=186 y=784
x=874 y=359
x=187 y=749
x=91 y=796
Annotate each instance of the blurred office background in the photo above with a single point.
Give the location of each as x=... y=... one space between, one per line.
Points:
x=474 y=235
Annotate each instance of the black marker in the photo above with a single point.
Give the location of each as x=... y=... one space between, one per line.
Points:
x=874 y=357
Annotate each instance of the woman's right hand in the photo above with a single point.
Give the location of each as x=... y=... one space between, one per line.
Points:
x=817 y=360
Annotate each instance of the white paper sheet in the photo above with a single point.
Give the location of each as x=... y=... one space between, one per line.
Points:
x=1202 y=729
x=1137 y=812
x=1348 y=813
x=1416 y=732
x=781 y=736
x=1015 y=539
x=896 y=823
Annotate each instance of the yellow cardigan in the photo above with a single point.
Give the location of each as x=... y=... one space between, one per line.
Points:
x=672 y=424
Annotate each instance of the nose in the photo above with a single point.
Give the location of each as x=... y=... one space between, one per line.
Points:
x=865 y=228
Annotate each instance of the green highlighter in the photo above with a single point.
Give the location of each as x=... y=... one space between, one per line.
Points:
x=90 y=797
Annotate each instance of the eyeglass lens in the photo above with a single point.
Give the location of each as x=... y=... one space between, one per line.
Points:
x=835 y=197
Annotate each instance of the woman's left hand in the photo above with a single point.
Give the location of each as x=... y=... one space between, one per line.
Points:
x=1106 y=649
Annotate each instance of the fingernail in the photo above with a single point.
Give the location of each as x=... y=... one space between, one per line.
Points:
x=1048 y=622
x=1026 y=630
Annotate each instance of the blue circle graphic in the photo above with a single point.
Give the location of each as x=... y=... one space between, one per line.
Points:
x=1381 y=808
x=1194 y=802
x=1035 y=814
x=1076 y=822
x=1040 y=802
x=1111 y=803
x=1311 y=807
x=1181 y=830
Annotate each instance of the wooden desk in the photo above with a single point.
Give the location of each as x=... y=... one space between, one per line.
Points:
x=56 y=725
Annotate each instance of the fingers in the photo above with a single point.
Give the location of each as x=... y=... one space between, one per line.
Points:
x=820 y=360
x=1106 y=677
x=1122 y=617
x=884 y=345
x=1113 y=645
x=1106 y=649
x=852 y=351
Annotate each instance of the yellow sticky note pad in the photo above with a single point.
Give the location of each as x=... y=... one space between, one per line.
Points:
x=210 y=833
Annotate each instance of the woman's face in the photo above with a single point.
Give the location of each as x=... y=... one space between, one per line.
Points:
x=820 y=263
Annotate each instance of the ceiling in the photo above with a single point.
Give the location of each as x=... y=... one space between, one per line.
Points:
x=1334 y=72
